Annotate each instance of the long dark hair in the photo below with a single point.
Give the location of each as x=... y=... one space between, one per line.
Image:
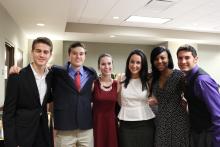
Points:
x=143 y=71
x=154 y=53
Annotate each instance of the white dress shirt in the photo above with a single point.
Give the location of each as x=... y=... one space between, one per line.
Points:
x=41 y=83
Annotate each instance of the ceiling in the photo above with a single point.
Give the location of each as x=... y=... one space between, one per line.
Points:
x=92 y=20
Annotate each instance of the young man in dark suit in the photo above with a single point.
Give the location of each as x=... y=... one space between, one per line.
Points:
x=72 y=95
x=25 y=119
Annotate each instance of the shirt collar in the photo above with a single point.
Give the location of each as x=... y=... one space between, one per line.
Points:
x=73 y=71
x=36 y=75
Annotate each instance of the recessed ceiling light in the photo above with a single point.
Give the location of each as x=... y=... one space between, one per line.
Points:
x=115 y=17
x=147 y=19
x=112 y=36
x=40 y=24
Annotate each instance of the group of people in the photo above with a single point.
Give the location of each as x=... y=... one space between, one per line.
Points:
x=84 y=104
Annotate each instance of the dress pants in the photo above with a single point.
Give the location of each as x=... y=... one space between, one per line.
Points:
x=74 y=138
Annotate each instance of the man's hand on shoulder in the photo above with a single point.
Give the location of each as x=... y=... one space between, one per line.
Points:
x=14 y=69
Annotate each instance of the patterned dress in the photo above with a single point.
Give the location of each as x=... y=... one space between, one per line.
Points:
x=172 y=126
x=104 y=117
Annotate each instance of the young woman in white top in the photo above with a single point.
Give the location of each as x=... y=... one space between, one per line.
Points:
x=136 y=117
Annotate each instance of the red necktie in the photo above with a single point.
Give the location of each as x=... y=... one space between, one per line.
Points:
x=77 y=80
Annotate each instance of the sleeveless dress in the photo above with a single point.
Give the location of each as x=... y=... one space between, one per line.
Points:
x=172 y=125
x=104 y=117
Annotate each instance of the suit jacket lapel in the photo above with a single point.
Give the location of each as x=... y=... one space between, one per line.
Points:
x=32 y=83
x=68 y=79
x=48 y=92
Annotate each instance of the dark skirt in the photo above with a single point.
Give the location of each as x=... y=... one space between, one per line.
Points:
x=136 y=133
x=202 y=139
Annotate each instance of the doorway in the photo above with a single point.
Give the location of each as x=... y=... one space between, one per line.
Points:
x=9 y=59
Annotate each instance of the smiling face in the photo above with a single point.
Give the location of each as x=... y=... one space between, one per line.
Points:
x=135 y=65
x=186 y=61
x=77 y=56
x=105 y=65
x=161 y=61
x=41 y=53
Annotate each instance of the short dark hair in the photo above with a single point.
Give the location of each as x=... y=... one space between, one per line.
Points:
x=187 y=48
x=44 y=40
x=102 y=56
x=74 y=45
x=143 y=71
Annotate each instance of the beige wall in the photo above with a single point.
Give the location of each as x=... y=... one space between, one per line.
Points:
x=11 y=33
x=119 y=53
x=209 y=58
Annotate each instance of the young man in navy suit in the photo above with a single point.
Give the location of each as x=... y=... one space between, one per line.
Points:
x=72 y=101
x=25 y=121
